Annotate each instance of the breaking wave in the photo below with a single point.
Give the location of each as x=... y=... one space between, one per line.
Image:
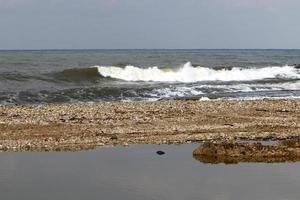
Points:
x=189 y=74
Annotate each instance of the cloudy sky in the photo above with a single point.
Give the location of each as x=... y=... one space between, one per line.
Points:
x=102 y=24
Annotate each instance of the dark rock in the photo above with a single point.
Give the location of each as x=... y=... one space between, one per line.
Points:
x=98 y=134
x=297 y=66
x=212 y=96
x=160 y=153
x=27 y=147
x=221 y=67
x=196 y=65
x=114 y=137
x=261 y=110
x=191 y=98
x=72 y=118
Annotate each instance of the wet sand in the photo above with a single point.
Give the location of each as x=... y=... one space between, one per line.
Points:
x=71 y=127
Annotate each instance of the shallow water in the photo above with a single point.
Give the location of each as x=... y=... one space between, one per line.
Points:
x=138 y=172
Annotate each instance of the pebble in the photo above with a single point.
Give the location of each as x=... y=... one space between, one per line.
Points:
x=164 y=122
x=160 y=153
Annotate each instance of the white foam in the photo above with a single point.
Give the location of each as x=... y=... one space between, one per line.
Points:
x=269 y=86
x=174 y=92
x=204 y=99
x=188 y=73
x=262 y=97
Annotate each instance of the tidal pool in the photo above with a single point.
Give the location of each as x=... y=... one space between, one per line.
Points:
x=139 y=173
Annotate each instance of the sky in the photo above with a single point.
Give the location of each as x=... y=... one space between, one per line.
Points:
x=149 y=24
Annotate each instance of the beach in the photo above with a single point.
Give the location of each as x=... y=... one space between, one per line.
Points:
x=73 y=127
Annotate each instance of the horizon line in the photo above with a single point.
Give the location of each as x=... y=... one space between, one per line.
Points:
x=120 y=49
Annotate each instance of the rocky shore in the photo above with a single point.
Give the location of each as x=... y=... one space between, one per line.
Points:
x=234 y=153
x=71 y=127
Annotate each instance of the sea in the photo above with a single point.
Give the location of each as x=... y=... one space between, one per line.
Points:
x=75 y=76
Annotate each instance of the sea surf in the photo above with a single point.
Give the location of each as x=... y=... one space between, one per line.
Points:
x=64 y=76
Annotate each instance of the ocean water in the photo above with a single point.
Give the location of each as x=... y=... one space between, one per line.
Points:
x=59 y=76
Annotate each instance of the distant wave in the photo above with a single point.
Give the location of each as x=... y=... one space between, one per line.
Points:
x=89 y=74
x=189 y=74
x=14 y=76
x=70 y=75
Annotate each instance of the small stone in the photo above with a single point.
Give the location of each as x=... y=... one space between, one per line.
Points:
x=125 y=144
x=27 y=147
x=114 y=137
x=160 y=153
x=72 y=118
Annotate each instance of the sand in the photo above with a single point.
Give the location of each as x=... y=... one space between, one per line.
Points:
x=72 y=127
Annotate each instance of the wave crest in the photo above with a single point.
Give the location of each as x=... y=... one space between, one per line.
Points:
x=188 y=73
x=78 y=74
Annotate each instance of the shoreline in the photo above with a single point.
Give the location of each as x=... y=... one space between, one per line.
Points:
x=73 y=127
